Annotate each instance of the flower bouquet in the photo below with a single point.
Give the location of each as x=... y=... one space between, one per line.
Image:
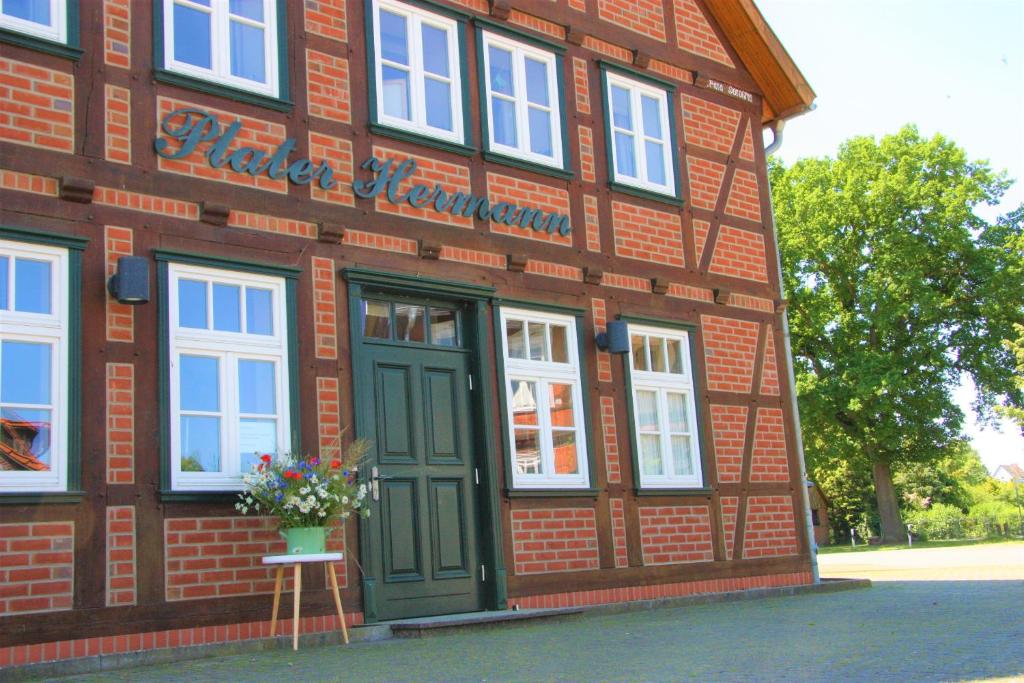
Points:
x=306 y=494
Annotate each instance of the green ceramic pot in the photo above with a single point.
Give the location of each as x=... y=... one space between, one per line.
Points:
x=306 y=540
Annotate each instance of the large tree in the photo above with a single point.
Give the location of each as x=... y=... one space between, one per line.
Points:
x=897 y=289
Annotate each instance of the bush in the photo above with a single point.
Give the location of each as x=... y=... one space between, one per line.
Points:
x=940 y=521
x=991 y=518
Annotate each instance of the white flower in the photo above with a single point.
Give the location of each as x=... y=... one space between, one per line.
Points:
x=304 y=490
x=344 y=500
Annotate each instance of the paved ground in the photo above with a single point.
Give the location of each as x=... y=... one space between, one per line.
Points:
x=958 y=621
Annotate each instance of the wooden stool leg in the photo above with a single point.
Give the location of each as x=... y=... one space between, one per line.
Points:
x=295 y=610
x=337 y=600
x=278 y=580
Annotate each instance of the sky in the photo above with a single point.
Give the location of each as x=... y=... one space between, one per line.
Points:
x=954 y=67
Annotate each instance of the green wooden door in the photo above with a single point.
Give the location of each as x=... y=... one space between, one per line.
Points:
x=424 y=519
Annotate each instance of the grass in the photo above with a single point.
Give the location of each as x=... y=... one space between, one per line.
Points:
x=865 y=548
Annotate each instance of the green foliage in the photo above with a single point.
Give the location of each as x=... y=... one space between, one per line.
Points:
x=897 y=289
x=945 y=480
x=988 y=519
x=937 y=522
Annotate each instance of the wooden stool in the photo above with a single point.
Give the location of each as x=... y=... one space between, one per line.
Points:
x=297 y=561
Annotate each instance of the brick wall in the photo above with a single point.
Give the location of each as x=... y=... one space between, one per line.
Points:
x=708 y=124
x=120 y=423
x=327 y=87
x=618 y=516
x=148 y=203
x=327 y=18
x=770 y=373
x=729 y=427
x=739 y=253
x=36 y=106
x=552 y=269
x=550 y=28
x=325 y=321
x=488 y=259
x=210 y=557
x=328 y=415
x=694 y=33
x=610 y=435
x=744 y=197
x=730 y=506
x=257 y=134
x=274 y=224
x=338 y=151
x=646 y=17
x=675 y=534
x=37 y=567
x=769 y=462
x=647 y=234
x=705 y=181
x=554 y=540
x=117 y=33
x=120 y=317
x=121 y=561
x=700 y=236
x=579 y=79
x=372 y=240
x=451 y=177
x=729 y=349
x=118 y=124
x=592 y=224
x=588 y=172
x=502 y=188
x=604 y=359
x=26 y=182
x=770 y=529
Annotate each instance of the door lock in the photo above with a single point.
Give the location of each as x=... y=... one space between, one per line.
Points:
x=375 y=477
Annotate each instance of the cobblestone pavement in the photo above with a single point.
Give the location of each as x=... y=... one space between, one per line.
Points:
x=959 y=621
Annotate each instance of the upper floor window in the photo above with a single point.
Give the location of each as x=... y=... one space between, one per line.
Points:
x=640 y=134
x=34 y=363
x=544 y=400
x=45 y=19
x=229 y=42
x=664 y=416
x=229 y=387
x=417 y=71
x=523 y=108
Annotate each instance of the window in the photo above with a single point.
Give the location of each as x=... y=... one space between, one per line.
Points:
x=640 y=134
x=544 y=400
x=229 y=384
x=229 y=42
x=521 y=84
x=45 y=19
x=664 y=410
x=411 y=322
x=418 y=74
x=34 y=362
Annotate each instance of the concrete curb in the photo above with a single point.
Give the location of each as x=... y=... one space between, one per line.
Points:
x=375 y=633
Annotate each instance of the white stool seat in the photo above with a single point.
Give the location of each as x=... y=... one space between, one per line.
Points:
x=307 y=557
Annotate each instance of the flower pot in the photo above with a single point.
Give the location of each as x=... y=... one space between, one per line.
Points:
x=307 y=540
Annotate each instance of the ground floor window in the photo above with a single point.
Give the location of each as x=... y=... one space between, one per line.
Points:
x=229 y=374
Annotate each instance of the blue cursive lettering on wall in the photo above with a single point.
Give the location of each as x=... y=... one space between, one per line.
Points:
x=191 y=127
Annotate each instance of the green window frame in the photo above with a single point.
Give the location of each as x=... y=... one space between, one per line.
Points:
x=272 y=93
x=175 y=341
x=415 y=128
x=641 y=87
x=58 y=36
x=689 y=383
x=61 y=329
x=523 y=45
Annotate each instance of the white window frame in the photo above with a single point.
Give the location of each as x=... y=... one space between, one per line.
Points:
x=228 y=348
x=520 y=51
x=415 y=17
x=663 y=383
x=48 y=328
x=637 y=89
x=543 y=373
x=57 y=31
x=220 y=51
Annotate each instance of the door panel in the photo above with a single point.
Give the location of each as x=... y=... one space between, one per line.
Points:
x=439 y=406
x=423 y=532
x=394 y=414
x=447 y=534
x=400 y=513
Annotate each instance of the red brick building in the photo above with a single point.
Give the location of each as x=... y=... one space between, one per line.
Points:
x=411 y=219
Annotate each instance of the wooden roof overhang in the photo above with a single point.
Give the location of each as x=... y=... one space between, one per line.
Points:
x=786 y=91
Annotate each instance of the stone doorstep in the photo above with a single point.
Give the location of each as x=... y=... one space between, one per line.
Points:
x=406 y=628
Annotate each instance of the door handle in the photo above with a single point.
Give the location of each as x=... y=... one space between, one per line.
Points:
x=375 y=477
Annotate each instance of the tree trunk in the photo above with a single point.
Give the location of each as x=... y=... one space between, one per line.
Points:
x=888 y=508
